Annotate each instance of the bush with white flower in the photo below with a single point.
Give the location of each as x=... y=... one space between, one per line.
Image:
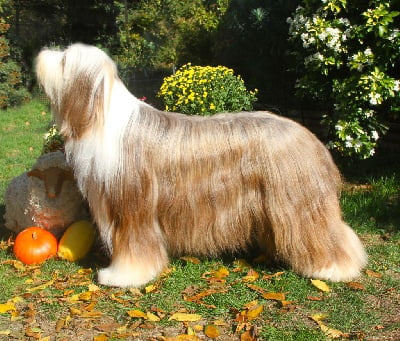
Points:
x=348 y=55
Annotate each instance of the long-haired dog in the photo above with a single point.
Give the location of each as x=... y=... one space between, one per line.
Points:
x=161 y=184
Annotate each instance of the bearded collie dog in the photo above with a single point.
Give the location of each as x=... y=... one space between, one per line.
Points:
x=163 y=184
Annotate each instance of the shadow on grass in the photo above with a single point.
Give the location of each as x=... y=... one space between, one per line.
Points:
x=372 y=192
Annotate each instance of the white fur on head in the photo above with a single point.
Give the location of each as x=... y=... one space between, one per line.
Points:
x=78 y=82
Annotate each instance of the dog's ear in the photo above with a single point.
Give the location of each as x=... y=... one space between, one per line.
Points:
x=87 y=94
x=83 y=104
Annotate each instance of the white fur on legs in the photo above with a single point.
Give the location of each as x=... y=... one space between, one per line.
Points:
x=346 y=267
x=125 y=274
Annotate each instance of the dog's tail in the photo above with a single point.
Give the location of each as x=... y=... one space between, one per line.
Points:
x=303 y=209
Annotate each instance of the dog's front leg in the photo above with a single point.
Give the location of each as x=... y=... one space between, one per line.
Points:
x=137 y=258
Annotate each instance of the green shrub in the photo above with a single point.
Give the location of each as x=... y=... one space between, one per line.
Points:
x=348 y=55
x=11 y=90
x=205 y=90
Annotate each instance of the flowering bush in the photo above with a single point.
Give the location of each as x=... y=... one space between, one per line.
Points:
x=205 y=90
x=349 y=57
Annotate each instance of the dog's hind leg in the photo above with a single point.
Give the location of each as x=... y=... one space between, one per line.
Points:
x=137 y=258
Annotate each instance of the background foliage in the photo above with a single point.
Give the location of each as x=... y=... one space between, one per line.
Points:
x=348 y=54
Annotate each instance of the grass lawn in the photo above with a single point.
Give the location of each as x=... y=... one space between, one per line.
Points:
x=231 y=298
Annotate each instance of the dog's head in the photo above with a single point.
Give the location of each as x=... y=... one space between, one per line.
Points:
x=78 y=82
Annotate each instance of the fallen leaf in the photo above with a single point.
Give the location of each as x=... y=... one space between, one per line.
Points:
x=355 y=286
x=137 y=313
x=250 y=305
x=91 y=314
x=150 y=288
x=256 y=288
x=5 y=332
x=185 y=317
x=152 y=317
x=211 y=331
x=93 y=287
x=320 y=285
x=330 y=332
x=193 y=260
x=222 y=272
x=254 y=312
x=101 y=337
x=182 y=337
x=318 y=317
x=275 y=296
x=314 y=298
x=276 y=274
x=248 y=335
x=41 y=286
x=6 y=307
x=251 y=276
x=373 y=274
x=107 y=327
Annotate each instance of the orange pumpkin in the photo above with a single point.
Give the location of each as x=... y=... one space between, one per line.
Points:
x=34 y=245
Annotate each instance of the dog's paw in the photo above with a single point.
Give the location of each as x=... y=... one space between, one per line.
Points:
x=114 y=277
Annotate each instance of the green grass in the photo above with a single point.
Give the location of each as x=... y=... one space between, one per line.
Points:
x=370 y=203
x=21 y=139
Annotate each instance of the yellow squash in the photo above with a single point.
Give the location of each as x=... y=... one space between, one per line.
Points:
x=76 y=241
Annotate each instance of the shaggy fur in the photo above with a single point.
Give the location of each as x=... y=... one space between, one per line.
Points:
x=162 y=184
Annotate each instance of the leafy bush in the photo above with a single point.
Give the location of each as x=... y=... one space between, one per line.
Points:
x=11 y=91
x=349 y=56
x=205 y=90
x=53 y=140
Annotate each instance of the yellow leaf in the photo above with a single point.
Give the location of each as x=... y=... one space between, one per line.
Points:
x=86 y=296
x=92 y=314
x=17 y=299
x=318 y=317
x=93 y=287
x=330 y=332
x=74 y=311
x=193 y=260
x=41 y=286
x=320 y=285
x=182 y=337
x=137 y=313
x=5 y=332
x=254 y=312
x=222 y=272
x=184 y=317
x=276 y=274
x=250 y=305
x=150 y=288
x=101 y=337
x=251 y=276
x=275 y=296
x=152 y=317
x=6 y=307
x=212 y=331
